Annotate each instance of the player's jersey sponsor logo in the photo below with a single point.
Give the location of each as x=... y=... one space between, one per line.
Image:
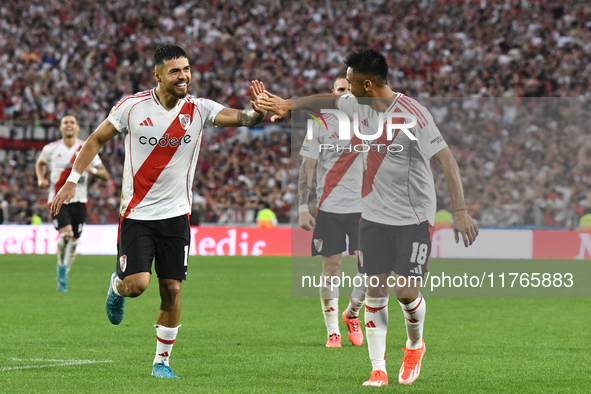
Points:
x=164 y=141
x=185 y=121
x=123 y=263
x=318 y=244
x=147 y=122
x=436 y=140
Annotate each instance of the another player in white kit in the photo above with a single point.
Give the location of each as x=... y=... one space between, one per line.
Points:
x=338 y=179
x=398 y=203
x=59 y=157
x=163 y=129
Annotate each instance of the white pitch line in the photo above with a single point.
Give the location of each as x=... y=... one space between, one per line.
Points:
x=41 y=359
x=61 y=363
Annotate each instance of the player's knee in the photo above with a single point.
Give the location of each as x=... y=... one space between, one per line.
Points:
x=406 y=301
x=331 y=266
x=171 y=288
x=136 y=288
x=377 y=292
x=67 y=235
x=170 y=294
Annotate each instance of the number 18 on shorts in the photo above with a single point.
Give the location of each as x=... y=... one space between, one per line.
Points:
x=402 y=249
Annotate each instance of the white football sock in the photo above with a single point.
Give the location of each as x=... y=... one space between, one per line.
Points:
x=329 y=300
x=376 y=329
x=114 y=283
x=165 y=337
x=357 y=297
x=61 y=249
x=71 y=252
x=414 y=318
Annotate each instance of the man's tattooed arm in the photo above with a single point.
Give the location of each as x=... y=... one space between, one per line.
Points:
x=250 y=117
x=305 y=181
x=303 y=188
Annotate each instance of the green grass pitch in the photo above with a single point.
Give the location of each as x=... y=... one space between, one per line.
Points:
x=243 y=333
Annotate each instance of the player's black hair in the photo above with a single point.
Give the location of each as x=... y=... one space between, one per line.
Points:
x=168 y=52
x=369 y=62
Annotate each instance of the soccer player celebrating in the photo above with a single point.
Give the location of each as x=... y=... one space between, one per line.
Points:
x=162 y=128
x=59 y=156
x=338 y=191
x=398 y=203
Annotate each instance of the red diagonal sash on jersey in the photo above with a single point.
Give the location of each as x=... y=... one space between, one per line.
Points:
x=340 y=168
x=66 y=173
x=156 y=161
x=375 y=159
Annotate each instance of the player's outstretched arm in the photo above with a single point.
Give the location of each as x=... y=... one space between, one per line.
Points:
x=306 y=221
x=463 y=223
x=89 y=150
x=229 y=117
x=281 y=107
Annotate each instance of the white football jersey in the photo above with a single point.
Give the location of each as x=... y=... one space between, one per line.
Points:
x=161 y=149
x=338 y=170
x=60 y=159
x=398 y=187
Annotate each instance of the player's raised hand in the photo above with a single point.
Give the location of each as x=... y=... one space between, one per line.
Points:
x=257 y=91
x=275 y=104
x=63 y=197
x=307 y=221
x=465 y=225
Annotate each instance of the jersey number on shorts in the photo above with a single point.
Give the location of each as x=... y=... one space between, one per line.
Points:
x=419 y=253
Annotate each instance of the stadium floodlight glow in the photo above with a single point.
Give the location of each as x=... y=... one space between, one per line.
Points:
x=345 y=125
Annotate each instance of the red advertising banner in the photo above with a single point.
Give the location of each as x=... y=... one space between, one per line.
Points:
x=285 y=241
x=102 y=239
x=240 y=241
x=550 y=244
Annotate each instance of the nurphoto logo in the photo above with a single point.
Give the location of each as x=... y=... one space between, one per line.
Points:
x=368 y=140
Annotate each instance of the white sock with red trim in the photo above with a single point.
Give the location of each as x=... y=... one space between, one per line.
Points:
x=414 y=318
x=165 y=337
x=357 y=297
x=71 y=252
x=329 y=300
x=376 y=329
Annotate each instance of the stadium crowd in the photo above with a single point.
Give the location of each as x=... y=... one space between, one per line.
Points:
x=81 y=56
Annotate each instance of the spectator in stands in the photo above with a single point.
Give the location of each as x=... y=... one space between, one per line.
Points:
x=436 y=49
x=266 y=218
x=585 y=221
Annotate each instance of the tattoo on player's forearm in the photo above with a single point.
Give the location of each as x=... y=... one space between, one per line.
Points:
x=249 y=117
x=303 y=189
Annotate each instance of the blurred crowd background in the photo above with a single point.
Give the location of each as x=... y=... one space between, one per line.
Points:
x=81 y=56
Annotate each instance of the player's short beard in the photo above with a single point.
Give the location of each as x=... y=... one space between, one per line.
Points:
x=174 y=93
